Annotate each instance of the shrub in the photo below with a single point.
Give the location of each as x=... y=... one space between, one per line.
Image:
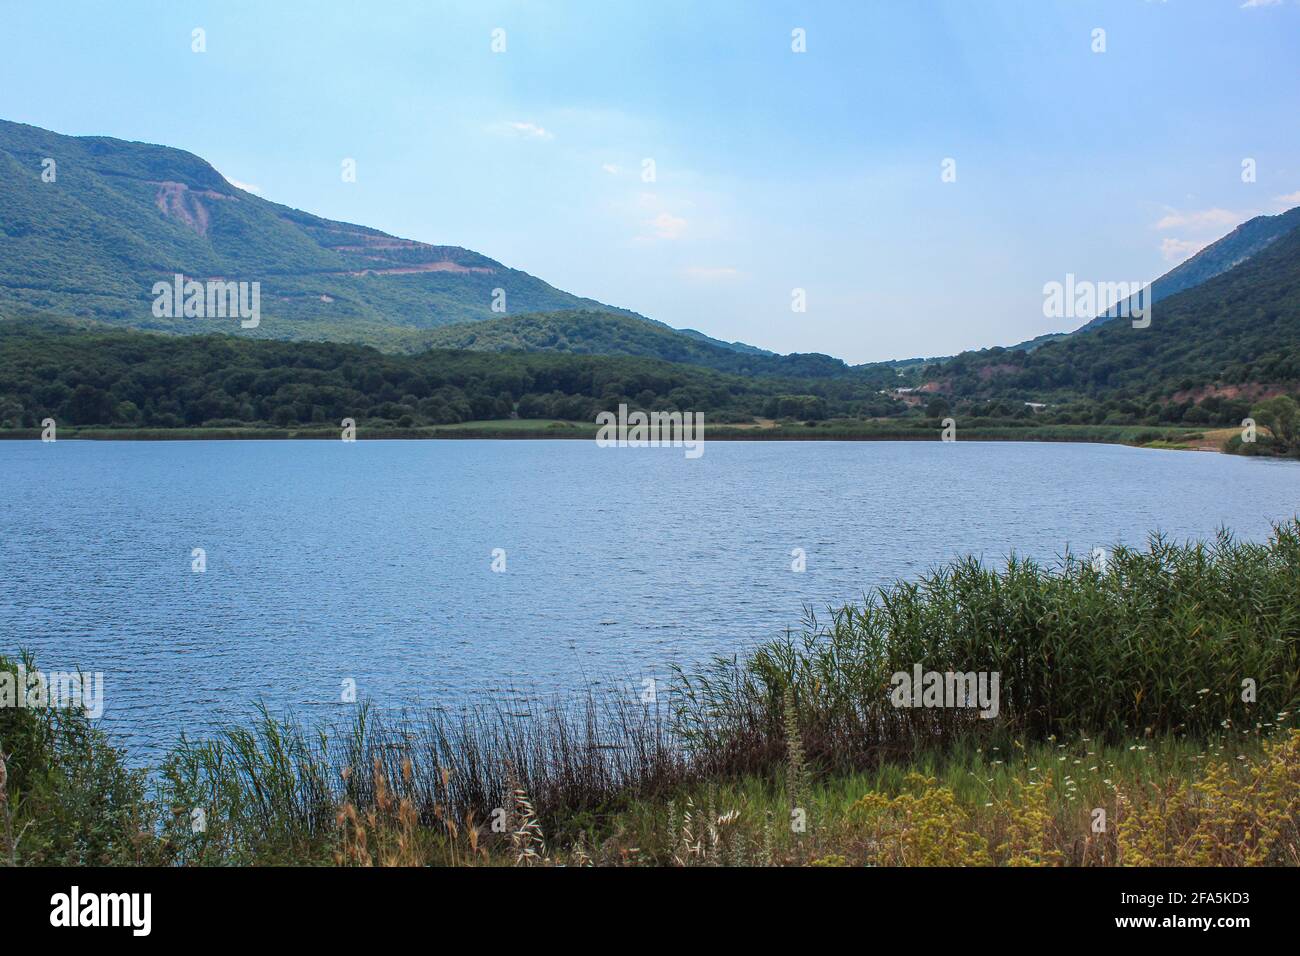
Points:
x=70 y=799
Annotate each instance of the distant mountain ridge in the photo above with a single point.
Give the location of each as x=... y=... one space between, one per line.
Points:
x=89 y=224
x=1235 y=334
x=1247 y=240
x=579 y=332
x=734 y=346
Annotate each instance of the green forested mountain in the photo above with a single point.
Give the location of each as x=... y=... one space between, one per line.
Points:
x=115 y=217
x=1234 y=336
x=734 y=346
x=583 y=332
x=89 y=235
x=1248 y=239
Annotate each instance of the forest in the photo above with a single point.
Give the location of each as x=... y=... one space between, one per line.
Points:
x=85 y=374
x=92 y=376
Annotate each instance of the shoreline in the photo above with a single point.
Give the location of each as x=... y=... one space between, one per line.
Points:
x=1172 y=438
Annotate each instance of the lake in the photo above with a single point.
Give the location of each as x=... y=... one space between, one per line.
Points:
x=372 y=561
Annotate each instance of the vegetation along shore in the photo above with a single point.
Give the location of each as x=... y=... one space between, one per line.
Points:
x=1146 y=715
x=97 y=382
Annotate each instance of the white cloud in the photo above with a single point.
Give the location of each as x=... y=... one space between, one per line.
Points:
x=1290 y=199
x=1201 y=219
x=611 y=168
x=659 y=217
x=525 y=129
x=1176 y=250
x=667 y=226
x=712 y=273
x=1260 y=3
x=246 y=187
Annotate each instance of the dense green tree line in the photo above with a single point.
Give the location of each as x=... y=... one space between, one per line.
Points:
x=87 y=376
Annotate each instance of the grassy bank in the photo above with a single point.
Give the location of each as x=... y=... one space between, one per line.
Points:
x=1160 y=690
x=1171 y=437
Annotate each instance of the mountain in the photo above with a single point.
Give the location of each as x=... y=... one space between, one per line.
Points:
x=1215 y=259
x=734 y=346
x=117 y=217
x=582 y=332
x=88 y=225
x=1233 y=336
x=1248 y=239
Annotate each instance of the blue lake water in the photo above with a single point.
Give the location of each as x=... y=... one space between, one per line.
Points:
x=373 y=560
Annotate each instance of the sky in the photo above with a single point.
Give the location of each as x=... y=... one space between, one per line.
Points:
x=919 y=170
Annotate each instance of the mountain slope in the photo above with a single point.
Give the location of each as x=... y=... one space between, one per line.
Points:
x=734 y=346
x=120 y=216
x=602 y=333
x=1248 y=239
x=1235 y=334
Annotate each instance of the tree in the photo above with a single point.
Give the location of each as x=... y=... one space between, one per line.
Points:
x=90 y=406
x=1281 y=416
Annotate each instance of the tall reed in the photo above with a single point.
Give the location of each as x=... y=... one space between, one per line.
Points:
x=270 y=791
x=1170 y=639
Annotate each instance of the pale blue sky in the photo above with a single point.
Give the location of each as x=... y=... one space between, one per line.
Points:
x=775 y=170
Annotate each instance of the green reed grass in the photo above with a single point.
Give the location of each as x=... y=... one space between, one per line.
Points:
x=271 y=791
x=1159 y=642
